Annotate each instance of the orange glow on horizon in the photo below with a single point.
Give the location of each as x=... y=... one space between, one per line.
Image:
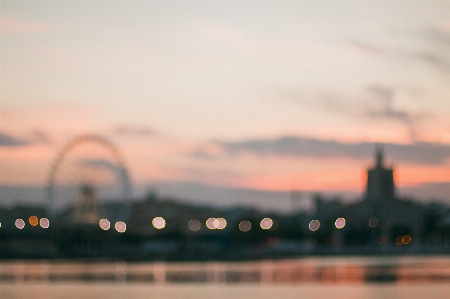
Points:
x=405 y=176
x=325 y=180
x=159 y=161
x=28 y=153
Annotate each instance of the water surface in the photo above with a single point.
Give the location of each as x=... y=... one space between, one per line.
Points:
x=345 y=277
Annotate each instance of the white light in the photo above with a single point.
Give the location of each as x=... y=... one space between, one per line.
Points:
x=120 y=226
x=221 y=223
x=20 y=223
x=314 y=225
x=159 y=222
x=44 y=223
x=340 y=223
x=211 y=223
x=266 y=223
x=104 y=224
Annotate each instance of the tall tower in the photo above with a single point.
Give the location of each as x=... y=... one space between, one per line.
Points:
x=380 y=181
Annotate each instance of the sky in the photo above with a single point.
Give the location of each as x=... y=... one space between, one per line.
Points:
x=259 y=95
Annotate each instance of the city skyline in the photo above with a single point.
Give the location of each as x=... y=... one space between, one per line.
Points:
x=258 y=95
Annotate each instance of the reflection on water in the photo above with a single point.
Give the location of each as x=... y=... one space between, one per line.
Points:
x=222 y=291
x=296 y=271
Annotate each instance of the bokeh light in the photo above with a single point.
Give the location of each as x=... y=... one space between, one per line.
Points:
x=44 y=223
x=381 y=240
x=120 y=226
x=406 y=239
x=194 y=225
x=373 y=222
x=314 y=225
x=210 y=223
x=391 y=222
x=104 y=224
x=216 y=223
x=340 y=223
x=398 y=241
x=266 y=223
x=159 y=222
x=221 y=223
x=20 y=223
x=245 y=226
x=33 y=221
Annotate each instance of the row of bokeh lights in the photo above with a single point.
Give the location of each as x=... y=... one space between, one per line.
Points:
x=315 y=224
x=221 y=223
x=391 y=222
x=195 y=225
x=399 y=241
x=267 y=223
x=340 y=223
x=120 y=226
x=33 y=221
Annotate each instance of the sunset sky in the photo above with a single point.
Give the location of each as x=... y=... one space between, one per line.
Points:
x=266 y=95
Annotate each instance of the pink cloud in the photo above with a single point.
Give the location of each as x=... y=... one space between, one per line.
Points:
x=16 y=25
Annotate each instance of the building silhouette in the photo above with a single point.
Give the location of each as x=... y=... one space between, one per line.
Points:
x=380 y=181
x=382 y=213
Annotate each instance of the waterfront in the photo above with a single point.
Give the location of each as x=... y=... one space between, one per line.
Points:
x=343 y=277
x=241 y=291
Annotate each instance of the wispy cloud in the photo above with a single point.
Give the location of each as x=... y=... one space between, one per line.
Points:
x=434 y=51
x=328 y=101
x=7 y=140
x=387 y=111
x=37 y=136
x=437 y=60
x=301 y=147
x=436 y=54
x=376 y=102
x=438 y=34
x=364 y=46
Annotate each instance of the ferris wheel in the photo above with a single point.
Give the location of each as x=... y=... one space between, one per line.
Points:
x=87 y=173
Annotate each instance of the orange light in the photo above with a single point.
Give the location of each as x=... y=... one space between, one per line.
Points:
x=33 y=220
x=406 y=239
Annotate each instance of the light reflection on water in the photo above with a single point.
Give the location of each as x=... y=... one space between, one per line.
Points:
x=381 y=277
x=221 y=291
x=322 y=270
